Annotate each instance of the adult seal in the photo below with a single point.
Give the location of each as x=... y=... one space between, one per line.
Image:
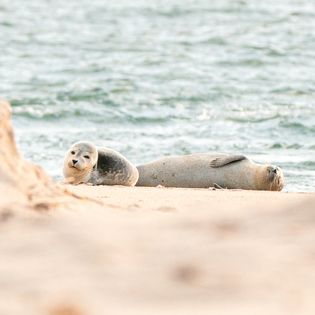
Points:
x=84 y=163
x=211 y=170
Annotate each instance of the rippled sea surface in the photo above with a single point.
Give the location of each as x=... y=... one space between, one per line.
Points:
x=153 y=78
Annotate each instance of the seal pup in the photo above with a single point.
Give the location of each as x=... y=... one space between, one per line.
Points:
x=210 y=170
x=84 y=163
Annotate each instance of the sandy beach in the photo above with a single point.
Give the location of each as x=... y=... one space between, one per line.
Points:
x=83 y=250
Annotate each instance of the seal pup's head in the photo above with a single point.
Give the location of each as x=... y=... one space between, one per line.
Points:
x=79 y=162
x=271 y=178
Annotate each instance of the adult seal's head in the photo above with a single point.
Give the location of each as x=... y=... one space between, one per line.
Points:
x=270 y=177
x=79 y=162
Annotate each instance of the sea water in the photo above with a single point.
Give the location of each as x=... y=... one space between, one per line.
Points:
x=154 y=78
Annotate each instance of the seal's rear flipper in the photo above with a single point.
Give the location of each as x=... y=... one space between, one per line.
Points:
x=222 y=161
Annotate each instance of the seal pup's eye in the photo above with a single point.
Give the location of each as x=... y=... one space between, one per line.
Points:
x=72 y=152
x=86 y=156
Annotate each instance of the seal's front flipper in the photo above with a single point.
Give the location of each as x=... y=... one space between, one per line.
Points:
x=217 y=186
x=225 y=160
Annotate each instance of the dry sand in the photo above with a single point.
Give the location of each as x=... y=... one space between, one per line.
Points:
x=80 y=250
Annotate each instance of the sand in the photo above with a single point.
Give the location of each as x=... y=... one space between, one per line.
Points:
x=80 y=250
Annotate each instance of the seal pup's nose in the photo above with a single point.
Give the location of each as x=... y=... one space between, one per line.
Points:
x=74 y=162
